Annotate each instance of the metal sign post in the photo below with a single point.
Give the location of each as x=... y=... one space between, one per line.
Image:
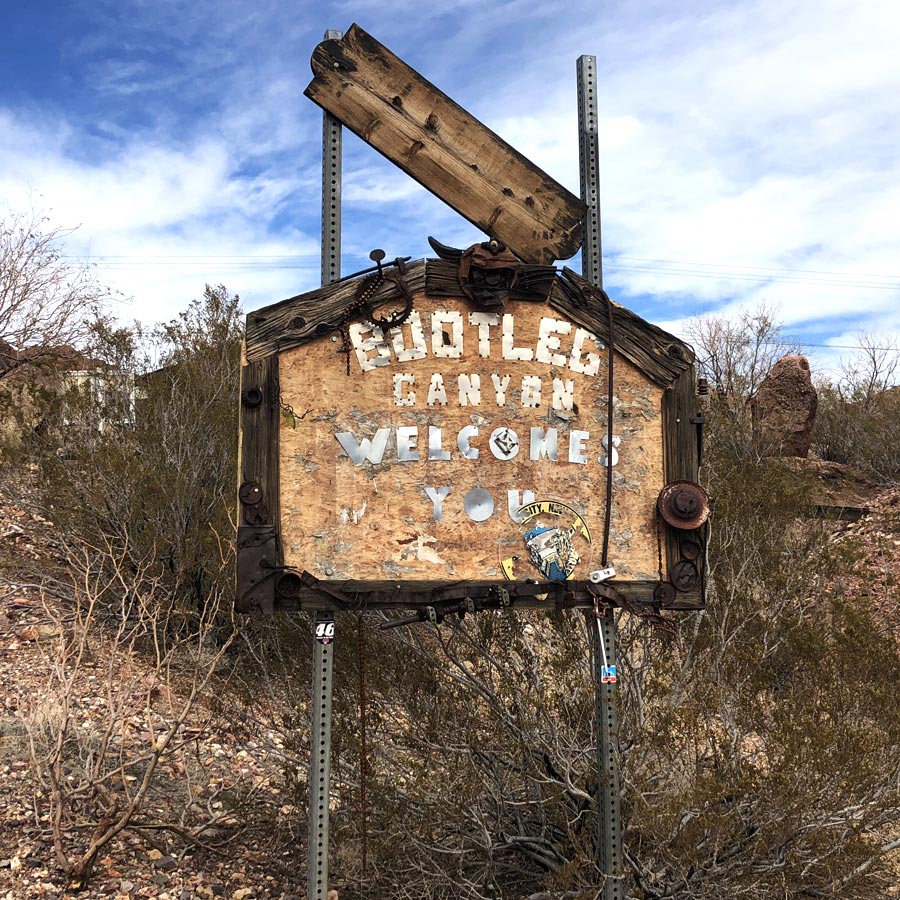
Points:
x=323 y=643
x=609 y=824
x=589 y=157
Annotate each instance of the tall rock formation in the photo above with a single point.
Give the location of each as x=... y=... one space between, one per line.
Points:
x=784 y=409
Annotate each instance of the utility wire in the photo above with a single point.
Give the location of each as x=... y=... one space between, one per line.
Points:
x=681 y=262
x=686 y=269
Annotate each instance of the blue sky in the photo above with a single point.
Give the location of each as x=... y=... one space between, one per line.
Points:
x=749 y=150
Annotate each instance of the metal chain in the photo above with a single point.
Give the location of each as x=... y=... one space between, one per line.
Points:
x=659 y=544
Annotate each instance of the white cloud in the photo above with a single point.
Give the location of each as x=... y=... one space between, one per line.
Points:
x=753 y=144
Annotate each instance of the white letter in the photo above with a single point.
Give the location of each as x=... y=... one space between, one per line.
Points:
x=437 y=498
x=544 y=446
x=592 y=365
x=418 y=349
x=509 y=350
x=576 y=446
x=373 y=450
x=548 y=341
x=399 y=399
x=469 y=389
x=531 y=390
x=602 y=459
x=514 y=503
x=504 y=443
x=485 y=321
x=435 y=450
x=462 y=441
x=443 y=344
x=500 y=387
x=563 y=393
x=407 y=438
x=437 y=392
x=478 y=504
x=363 y=345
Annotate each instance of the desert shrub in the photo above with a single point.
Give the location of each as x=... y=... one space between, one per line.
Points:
x=140 y=449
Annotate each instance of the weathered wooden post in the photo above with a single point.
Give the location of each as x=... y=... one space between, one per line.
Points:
x=475 y=432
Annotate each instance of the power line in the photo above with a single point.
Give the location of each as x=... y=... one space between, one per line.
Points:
x=759 y=279
x=788 y=342
x=681 y=262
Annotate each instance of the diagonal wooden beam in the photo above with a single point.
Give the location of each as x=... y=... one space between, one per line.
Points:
x=446 y=149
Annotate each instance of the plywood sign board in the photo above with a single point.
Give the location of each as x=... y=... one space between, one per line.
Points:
x=462 y=453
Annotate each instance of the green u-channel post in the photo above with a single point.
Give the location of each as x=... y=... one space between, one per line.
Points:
x=609 y=819
x=324 y=624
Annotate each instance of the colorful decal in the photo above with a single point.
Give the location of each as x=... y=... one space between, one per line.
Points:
x=555 y=538
x=324 y=632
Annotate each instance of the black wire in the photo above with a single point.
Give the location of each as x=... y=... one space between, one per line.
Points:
x=607 y=522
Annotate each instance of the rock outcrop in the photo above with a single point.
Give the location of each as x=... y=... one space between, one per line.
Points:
x=784 y=409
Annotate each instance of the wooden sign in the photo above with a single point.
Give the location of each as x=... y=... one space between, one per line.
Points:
x=433 y=139
x=463 y=453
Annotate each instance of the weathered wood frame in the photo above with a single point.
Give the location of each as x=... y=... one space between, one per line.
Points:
x=264 y=584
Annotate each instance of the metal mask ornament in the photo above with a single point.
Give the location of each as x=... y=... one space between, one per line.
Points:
x=487 y=271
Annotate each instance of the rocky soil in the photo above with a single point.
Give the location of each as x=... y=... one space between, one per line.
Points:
x=215 y=824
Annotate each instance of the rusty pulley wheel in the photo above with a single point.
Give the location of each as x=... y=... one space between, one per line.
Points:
x=691 y=550
x=683 y=505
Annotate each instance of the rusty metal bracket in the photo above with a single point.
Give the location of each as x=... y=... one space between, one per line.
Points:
x=257 y=567
x=399 y=261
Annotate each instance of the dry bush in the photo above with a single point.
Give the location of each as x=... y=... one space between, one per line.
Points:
x=858 y=420
x=45 y=298
x=120 y=712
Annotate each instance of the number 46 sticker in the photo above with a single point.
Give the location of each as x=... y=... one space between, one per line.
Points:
x=324 y=632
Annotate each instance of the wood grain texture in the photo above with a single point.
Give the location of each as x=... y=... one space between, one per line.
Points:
x=297 y=320
x=416 y=595
x=258 y=545
x=435 y=141
x=681 y=464
x=534 y=284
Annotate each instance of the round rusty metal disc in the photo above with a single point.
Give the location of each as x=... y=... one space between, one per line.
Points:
x=250 y=492
x=683 y=505
x=258 y=514
x=685 y=576
x=690 y=550
x=664 y=593
x=288 y=585
x=252 y=397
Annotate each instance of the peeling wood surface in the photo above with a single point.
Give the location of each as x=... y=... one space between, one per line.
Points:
x=258 y=547
x=435 y=141
x=295 y=321
x=416 y=595
x=375 y=522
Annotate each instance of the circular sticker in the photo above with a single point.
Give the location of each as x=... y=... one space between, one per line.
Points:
x=555 y=539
